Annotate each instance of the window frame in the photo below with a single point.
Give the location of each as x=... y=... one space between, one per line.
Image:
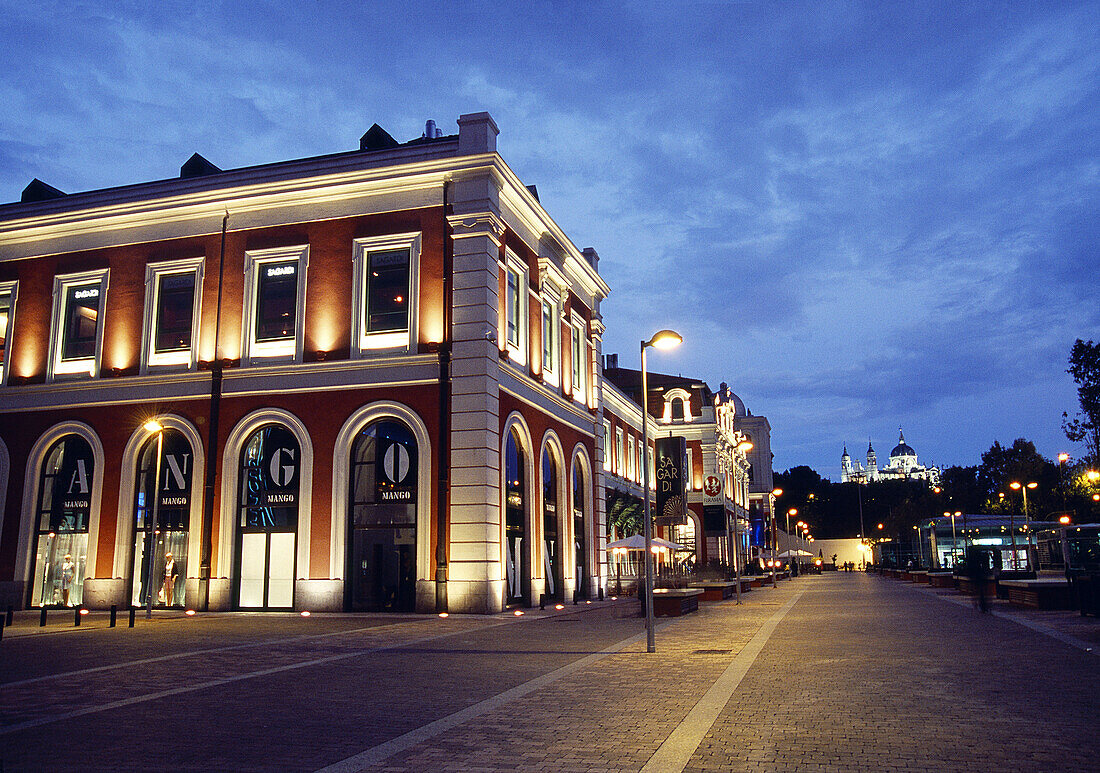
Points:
x=620 y=462
x=58 y=368
x=631 y=472
x=578 y=334
x=513 y=266
x=151 y=360
x=550 y=305
x=363 y=342
x=255 y=352
x=607 y=445
x=11 y=289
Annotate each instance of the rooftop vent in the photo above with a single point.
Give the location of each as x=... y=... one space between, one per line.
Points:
x=534 y=191
x=39 y=191
x=431 y=131
x=197 y=166
x=377 y=138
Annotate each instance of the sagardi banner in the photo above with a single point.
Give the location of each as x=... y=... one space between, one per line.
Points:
x=671 y=461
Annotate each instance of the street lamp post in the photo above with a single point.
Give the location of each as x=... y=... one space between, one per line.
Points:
x=664 y=339
x=778 y=492
x=735 y=554
x=1027 y=524
x=790 y=512
x=153 y=426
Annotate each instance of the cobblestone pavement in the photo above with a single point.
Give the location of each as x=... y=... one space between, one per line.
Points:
x=825 y=673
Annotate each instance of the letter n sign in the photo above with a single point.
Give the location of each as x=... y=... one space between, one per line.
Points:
x=671 y=463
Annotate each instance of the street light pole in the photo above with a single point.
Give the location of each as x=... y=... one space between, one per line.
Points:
x=153 y=426
x=665 y=339
x=1022 y=487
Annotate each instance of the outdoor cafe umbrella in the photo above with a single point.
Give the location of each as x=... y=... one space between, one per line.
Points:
x=637 y=542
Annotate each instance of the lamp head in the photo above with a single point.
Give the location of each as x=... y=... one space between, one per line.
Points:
x=745 y=446
x=777 y=492
x=152 y=426
x=1033 y=484
x=1014 y=485
x=665 y=339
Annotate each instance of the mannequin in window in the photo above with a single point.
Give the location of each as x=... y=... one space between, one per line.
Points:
x=169 y=587
x=68 y=570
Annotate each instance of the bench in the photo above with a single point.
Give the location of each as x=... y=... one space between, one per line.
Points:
x=1046 y=593
x=715 y=590
x=673 y=602
x=941 y=579
x=967 y=585
x=919 y=576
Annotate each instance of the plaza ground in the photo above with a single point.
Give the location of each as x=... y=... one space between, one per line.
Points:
x=839 y=672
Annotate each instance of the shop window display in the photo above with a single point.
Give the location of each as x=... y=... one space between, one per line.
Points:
x=170 y=536
x=64 y=505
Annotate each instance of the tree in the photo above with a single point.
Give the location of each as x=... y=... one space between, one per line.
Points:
x=1084 y=366
x=962 y=491
x=1020 y=462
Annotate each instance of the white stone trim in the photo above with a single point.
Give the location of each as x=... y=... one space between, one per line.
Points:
x=341 y=482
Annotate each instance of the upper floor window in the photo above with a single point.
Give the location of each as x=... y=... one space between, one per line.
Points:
x=515 y=308
x=77 y=326
x=275 y=291
x=580 y=359
x=631 y=459
x=7 y=316
x=172 y=293
x=620 y=462
x=551 y=340
x=607 y=445
x=689 y=472
x=384 y=305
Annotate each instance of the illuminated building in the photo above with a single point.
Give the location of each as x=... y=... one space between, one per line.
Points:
x=394 y=348
x=903 y=466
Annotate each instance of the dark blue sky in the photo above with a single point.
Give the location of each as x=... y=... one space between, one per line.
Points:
x=860 y=215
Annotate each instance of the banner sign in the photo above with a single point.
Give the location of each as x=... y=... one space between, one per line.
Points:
x=395 y=480
x=671 y=460
x=712 y=491
x=714 y=520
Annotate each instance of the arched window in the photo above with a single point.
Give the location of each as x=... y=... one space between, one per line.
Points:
x=579 y=542
x=169 y=505
x=64 y=505
x=515 y=508
x=677 y=409
x=382 y=528
x=267 y=521
x=551 y=544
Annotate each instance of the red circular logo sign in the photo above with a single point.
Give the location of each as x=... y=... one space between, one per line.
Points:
x=712 y=487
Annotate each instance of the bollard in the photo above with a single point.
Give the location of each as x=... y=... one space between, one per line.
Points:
x=76 y=616
x=601 y=593
x=1 y=629
x=114 y=614
x=42 y=619
x=575 y=594
x=542 y=601
x=132 y=610
x=9 y=617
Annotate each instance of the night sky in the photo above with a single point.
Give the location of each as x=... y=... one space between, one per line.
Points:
x=859 y=215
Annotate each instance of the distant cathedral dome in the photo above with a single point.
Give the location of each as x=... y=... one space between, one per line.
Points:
x=902 y=448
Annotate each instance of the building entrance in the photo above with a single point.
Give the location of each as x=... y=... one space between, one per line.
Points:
x=382 y=545
x=267 y=521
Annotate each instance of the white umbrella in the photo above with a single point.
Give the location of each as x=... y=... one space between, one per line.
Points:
x=637 y=542
x=797 y=553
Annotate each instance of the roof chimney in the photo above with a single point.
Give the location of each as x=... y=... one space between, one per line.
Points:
x=197 y=166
